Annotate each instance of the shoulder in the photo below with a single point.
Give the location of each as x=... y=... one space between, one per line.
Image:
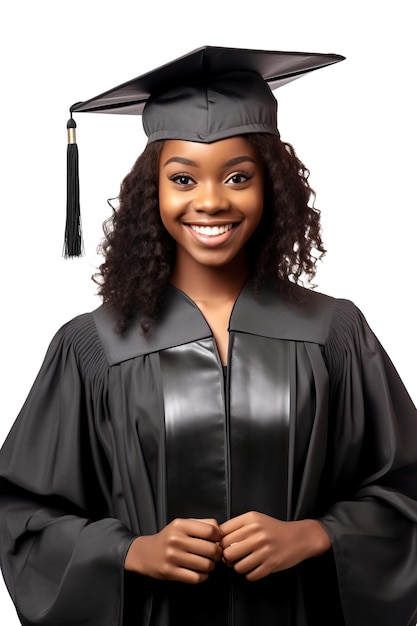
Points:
x=77 y=330
x=79 y=340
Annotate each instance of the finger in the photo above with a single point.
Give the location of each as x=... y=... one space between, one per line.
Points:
x=234 y=552
x=256 y=574
x=179 y=545
x=207 y=549
x=233 y=524
x=195 y=563
x=247 y=564
x=207 y=520
x=241 y=534
x=206 y=529
x=190 y=577
x=237 y=551
x=197 y=528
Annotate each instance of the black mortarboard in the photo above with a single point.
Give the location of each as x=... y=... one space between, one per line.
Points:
x=208 y=94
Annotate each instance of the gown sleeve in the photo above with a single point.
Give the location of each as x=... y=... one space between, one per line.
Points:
x=62 y=554
x=371 y=477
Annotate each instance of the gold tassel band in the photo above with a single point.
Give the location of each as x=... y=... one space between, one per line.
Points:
x=71 y=135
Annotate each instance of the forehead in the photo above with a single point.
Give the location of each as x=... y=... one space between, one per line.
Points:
x=208 y=153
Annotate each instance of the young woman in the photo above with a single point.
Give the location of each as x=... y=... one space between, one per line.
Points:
x=215 y=444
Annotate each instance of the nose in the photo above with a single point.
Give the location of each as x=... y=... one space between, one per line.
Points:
x=210 y=198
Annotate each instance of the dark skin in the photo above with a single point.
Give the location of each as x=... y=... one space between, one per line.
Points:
x=211 y=201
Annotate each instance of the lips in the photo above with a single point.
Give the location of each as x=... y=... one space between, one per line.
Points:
x=211 y=231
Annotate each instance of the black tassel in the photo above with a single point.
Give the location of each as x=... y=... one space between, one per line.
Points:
x=73 y=246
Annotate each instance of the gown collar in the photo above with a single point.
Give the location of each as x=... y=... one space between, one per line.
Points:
x=266 y=314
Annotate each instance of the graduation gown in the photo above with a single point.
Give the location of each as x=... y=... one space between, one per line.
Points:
x=121 y=434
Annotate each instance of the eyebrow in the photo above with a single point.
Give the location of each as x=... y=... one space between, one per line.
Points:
x=178 y=159
x=234 y=161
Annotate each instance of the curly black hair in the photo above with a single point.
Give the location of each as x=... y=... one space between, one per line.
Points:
x=139 y=254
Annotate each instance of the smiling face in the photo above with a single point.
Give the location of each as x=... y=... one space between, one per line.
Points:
x=210 y=198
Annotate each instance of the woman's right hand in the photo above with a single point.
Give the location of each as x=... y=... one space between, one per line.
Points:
x=186 y=550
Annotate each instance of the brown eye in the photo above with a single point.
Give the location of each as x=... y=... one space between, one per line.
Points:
x=182 y=179
x=239 y=178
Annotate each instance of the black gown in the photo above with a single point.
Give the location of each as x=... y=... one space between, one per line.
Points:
x=121 y=434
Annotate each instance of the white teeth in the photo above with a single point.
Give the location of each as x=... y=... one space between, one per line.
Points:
x=212 y=231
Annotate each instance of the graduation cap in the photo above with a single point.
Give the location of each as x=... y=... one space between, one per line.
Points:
x=209 y=94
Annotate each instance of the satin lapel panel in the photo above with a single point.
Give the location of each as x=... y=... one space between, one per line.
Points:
x=193 y=388
x=259 y=424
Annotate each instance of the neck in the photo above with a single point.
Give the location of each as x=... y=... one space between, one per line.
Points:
x=205 y=284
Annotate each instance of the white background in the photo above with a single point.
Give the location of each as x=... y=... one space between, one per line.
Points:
x=352 y=124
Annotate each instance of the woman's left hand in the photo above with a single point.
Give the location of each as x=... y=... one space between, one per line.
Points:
x=257 y=545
